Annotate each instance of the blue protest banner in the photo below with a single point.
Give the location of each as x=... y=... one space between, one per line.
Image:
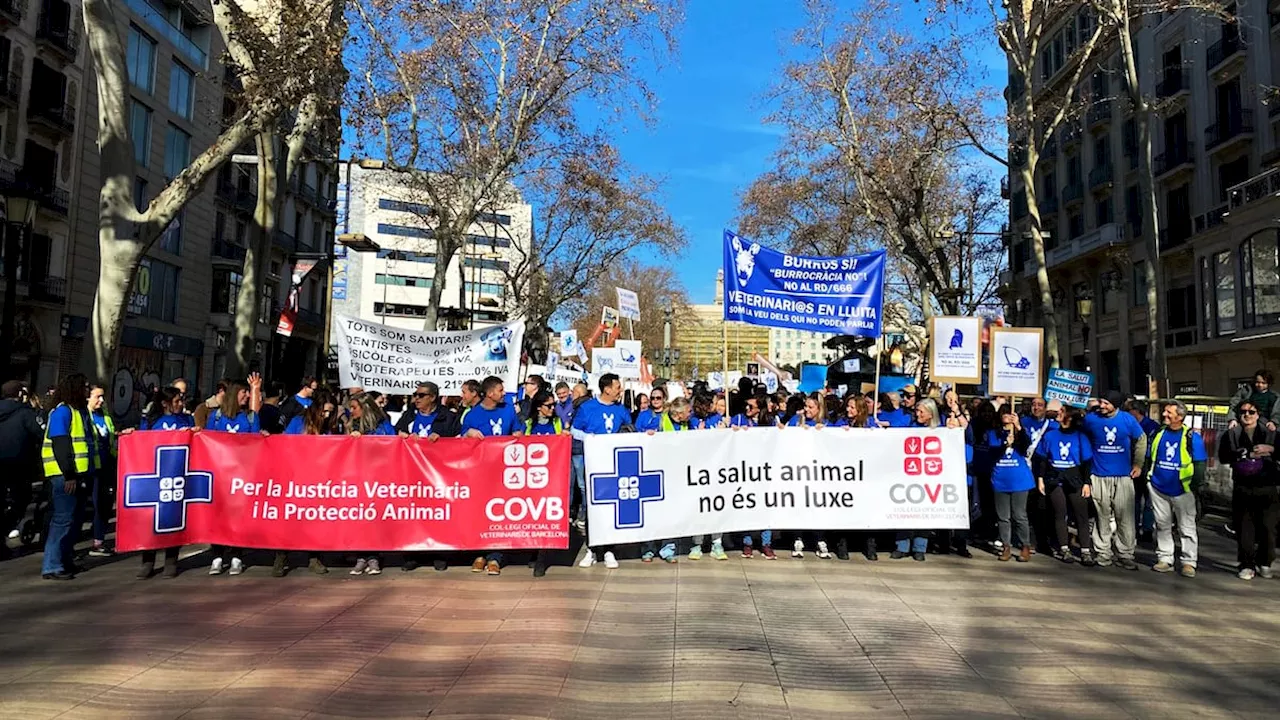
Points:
x=839 y=295
x=1069 y=387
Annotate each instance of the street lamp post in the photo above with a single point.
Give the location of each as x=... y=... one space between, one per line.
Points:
x=16 y=215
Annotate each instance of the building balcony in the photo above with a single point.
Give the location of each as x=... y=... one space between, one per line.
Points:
x=55 y=201
x=311 y=318
x=158 y=22
x=1017 y=158
x=285 y=241
x=49 y=290
x=1087 y=244
x=1209 y=220
x=1101 y=176
x=1099 y=114
x=1175 y=158
x=1225 y=49
x=1174 y=83
x=224 y=249
x=1258 y=187
x=64 y=41
x=1072 y=193
x=1227 y=131
x=58 y=119
x=1070 y=135
x=8 y=175
x=11 y=11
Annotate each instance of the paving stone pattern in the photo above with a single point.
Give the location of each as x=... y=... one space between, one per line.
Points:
x=738 y=639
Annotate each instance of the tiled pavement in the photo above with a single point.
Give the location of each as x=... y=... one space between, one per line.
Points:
x=738 y=639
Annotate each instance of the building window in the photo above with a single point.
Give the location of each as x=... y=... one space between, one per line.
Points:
x=401 y=280
x=226 y=289
x=140 y=194
x=1259 y=268
x=1139 y=284
x=182 y=84
x=267 y=304
x=141 y=60
x=1224 y=291
x=1075 y=226
x=155 y=291
x=1104 y=212
x=405 y=256
x=485 y=263
x=399 y=310
x=171 y=238
x=140 y=132
x=177 y=152
x=484 y=289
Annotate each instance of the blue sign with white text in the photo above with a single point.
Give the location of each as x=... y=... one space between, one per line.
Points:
x=838 y=295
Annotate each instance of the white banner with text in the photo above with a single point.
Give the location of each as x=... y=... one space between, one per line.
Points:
x=672 y=485
x=394 y=360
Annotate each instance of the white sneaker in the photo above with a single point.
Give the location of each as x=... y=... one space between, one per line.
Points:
x=14 y=533
x=215 y=568
x=823 y=553
x=610 y=561
x=1245 y=574
x=237 y=566
x=360 y=566
x=588 y=560
x=1265 y=572
x=797 y=550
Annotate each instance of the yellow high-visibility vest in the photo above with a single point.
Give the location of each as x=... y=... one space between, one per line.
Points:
x=79 y=447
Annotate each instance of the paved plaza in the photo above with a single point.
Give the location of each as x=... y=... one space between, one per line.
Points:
x=736 y=639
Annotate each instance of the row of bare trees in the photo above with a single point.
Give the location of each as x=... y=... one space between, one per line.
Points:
x=472 y=102
x=889 y=136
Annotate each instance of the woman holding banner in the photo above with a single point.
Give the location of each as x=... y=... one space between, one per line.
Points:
x=677 y=418
x=812 y=414
x=238 y=413
x=855 y=414
x=915 y=542
x=316 y=419
x=543 y=420
x=164 y=412
x=367 y=418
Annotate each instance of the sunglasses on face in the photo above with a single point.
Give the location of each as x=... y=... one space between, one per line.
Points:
x=421 y=395
x=549 y=406
x=1248 y=412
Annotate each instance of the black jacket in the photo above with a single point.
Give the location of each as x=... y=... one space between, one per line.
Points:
x=1234 y=449
x=20 y=433
x=447 y=424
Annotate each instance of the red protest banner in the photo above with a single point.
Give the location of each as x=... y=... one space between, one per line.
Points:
x=307 y=492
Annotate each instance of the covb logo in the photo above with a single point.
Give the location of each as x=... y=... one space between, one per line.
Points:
x=923 y=456
x=525 y=467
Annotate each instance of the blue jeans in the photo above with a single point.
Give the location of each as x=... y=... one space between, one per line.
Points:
x=911 y=541
x=59 y=546
x=766 y=539
x=579 y=474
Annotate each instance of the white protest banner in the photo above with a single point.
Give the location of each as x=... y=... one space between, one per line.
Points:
x=605 y=360
x=628 y=304
x=569 y=343
x=670 y=485
x=955 y=349
x=628 y=359
x=393 y=360
x=1015 y=365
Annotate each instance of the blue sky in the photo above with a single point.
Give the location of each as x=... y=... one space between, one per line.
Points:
x=708 y=141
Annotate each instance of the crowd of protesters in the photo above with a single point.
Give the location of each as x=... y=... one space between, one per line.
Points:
x=1078 y=484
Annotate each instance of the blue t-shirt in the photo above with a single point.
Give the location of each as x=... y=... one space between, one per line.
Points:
x=799 y=420
x=60 y=426
x=1065 y=450
x=1112 y=439
x=421 y=424
x=648 y=420
x=384 y=428
x=741 y=420
x=168 y=421
x=244 y=422
x=501 y=420
x=1149 y=426
x=1012 y=472
x=895 y=418
x=296 y=426
x=844 y=421
x=1033 y=426
x=1165 y=475
x=596 y=418
x=711 y=421
x=677 y=427
x=304 y=402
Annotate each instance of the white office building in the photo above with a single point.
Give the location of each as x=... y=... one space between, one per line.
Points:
x=393 y=284
x=792 y=347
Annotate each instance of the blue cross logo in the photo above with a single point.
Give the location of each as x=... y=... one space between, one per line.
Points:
x=627 y=488
x=169 y=488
